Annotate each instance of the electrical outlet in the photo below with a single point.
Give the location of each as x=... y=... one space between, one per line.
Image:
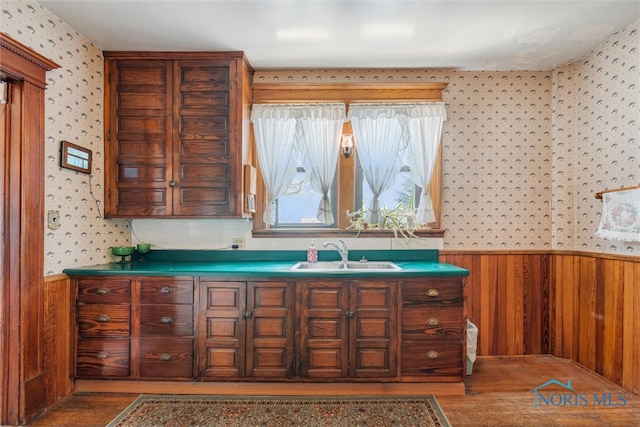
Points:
x=239 y=241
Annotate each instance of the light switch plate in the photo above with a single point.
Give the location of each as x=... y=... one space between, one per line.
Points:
x=53 y=220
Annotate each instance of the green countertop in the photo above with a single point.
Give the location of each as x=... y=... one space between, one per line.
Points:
x=414 y=263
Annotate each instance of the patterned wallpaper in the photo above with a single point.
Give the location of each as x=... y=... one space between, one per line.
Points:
x=74 y=113
x=596 y=125
x=523 y=151
x=497 y=147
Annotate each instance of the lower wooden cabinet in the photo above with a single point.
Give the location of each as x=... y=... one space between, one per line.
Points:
x=138 y=328
x=103 y=313
x=186 y=328
x=246 y=329
x=347 y=329
x=433 y=329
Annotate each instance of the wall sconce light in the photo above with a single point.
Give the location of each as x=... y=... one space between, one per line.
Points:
x=346 y=145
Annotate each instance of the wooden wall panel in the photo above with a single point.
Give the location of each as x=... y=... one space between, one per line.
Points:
x=579 y=306
x=597 y=315
x=507 y=297
x=58 y=336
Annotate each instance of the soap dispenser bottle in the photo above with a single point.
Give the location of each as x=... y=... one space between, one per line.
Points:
x=312 y=252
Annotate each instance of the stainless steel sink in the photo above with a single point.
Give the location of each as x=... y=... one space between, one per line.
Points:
x=339 y=267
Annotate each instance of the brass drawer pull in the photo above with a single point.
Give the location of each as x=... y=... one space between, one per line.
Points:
x=433 y=293
x=166 y=357
x=103 y=291
x=102 y=355
x=165 y=290
x=433 y=354
x=103 y=318
x=166 y=320
x=433 y=322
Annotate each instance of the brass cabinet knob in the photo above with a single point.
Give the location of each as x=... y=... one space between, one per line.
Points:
x=103 y=318
x=165 y=290
x=166 y=320
x=433 y=293
x=433 y=354
x=173 y=184
x=102 y=355
x=103 y=291
x=433 y=321
x=166 y=357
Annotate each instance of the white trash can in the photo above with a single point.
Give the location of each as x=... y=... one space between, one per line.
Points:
x=472 y=345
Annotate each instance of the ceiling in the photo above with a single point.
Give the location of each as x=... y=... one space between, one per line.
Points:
x=321 y=34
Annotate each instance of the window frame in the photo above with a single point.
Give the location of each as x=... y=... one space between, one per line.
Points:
x=347 y=93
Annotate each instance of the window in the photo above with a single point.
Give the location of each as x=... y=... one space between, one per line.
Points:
x=299 y=205
x=349 y=188
x=403 y=192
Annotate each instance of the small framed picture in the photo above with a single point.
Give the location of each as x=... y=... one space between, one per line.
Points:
x=75 y=157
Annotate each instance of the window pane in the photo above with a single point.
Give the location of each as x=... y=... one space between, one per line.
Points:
x=400 y=192
x=299 y=206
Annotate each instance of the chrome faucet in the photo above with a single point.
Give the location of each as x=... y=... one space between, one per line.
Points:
x=344 y=251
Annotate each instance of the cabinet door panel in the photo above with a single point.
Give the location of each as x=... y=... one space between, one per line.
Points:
x=222 y=331
x=206 y=99
x=204 y=182
x=131 y=173
x=270 y=329
x=323 y=328
x=140 y=103
x=195 y=197
x=373 y=330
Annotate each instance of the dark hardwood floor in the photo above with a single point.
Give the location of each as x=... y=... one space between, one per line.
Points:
x=498 y=393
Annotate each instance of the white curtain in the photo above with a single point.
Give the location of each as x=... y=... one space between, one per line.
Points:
x=424 y=123
x=275 y=130
x=378 y=134
x=321 y=127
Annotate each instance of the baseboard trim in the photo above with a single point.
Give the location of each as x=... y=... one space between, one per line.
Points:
x=271 y=389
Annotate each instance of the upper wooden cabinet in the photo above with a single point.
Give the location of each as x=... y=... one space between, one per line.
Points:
x=174 y=133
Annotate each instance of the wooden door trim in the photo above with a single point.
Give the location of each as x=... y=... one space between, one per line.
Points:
x=21 y=328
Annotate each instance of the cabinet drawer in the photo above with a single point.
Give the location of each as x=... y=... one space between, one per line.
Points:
x=101 y=291
x=433 y=358
x=103 y=357
x=440 y=292
x=103 y=320
x=166 y=320
x=420 y=323
x=166 y=358
x=166 y=292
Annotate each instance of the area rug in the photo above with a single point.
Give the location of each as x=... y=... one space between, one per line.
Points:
x=287 y=411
